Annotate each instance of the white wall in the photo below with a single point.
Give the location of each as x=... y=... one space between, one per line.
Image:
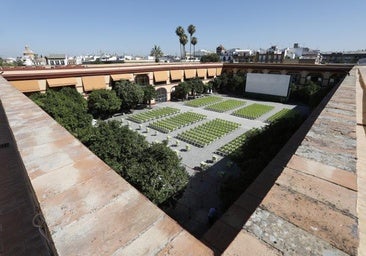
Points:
x=270 y=84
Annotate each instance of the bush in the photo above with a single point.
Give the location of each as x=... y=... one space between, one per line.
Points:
x=310 y=94
x=212 y=57
x=103 y=103
x=68 y=108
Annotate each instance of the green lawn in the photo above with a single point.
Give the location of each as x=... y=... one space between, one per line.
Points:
x=253 y=111
x=225 y=105
x=283 y=113
x=173 y=123
x=206 y=133
x=153 y=114
x=203 y=101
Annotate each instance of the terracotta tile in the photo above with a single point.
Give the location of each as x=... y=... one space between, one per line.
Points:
x=315 y=217
x=235 y=217
x=330 y=173
x=50 y=184
x=84 y=198
x=220 y=236
x=248 y=202
x=245 y=243
x=108 y=229
x=157 y=237
x=319 y=189
x=185 y=245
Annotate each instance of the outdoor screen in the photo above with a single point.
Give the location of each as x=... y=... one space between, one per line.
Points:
x=269 y=84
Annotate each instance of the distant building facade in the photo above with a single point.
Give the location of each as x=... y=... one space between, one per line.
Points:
x=57 y=60
x=351 y=57
x=272 y=55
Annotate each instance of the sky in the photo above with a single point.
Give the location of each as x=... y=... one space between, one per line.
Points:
x=133 y=27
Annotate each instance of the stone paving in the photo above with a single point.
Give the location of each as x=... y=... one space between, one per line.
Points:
x=202 y=191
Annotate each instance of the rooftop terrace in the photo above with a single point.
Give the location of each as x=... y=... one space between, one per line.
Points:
x=308 y=201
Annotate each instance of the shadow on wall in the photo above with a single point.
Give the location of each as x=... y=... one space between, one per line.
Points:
x=225 y=230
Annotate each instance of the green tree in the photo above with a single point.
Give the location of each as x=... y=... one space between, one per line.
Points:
x=181 y=91
x=118 y=146
x=149 y=93
x=159 y=175
x=196 y=86
x=130 y=93
x=212 y=57
x=194 y=42
x=183 y=40
x=103 y=103
x=156 y=52
x=179 y=31
x=68 y=108
x=191 y=30
x=154 y=169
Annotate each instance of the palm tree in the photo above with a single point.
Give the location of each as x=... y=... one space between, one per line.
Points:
x=191 y=30
x=194 y=42
x=179 y=31
x=183 y=40
x=156 y=52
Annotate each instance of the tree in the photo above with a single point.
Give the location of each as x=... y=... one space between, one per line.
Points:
x=149 y=93
x=184 y=40
x=179 y=31
x=68 y=108
x=196 y=86
x=194 y=42
x=191 y=30
x=118 y=146
x=181 y=91
x=212 y=57
x=156 y=52
x=159 y=175
x=130 y=93
x=103 y=103
x=154 y=169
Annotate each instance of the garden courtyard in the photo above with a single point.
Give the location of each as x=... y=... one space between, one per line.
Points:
x=202 y=132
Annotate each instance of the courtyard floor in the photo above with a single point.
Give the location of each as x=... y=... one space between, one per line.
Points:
x=202 y=192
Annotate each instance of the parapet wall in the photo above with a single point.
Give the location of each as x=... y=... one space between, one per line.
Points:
x=88 y=208
x=305 y=201
x=308 y=201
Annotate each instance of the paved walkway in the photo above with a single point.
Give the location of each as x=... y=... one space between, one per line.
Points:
x=202 y=192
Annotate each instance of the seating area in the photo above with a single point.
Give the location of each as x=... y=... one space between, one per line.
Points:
x=225 y=105
x=232 y=146
x=176 y=122
x=206 y=133
x=153 y=114
x=203 y=101
x=283 y=113
x=253 y=111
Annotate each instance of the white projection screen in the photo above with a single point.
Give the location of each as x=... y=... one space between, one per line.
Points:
x=269 y=84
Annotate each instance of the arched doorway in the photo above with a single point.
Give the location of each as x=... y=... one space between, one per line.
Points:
x=161 y=95
x=316 y=78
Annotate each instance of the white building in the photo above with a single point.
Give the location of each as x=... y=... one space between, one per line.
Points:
x=57 y=60
x=28 y=56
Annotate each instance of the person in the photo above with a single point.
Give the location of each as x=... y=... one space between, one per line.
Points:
x=212 y=214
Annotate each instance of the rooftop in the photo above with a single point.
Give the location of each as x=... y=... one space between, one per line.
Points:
x=308 y=200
